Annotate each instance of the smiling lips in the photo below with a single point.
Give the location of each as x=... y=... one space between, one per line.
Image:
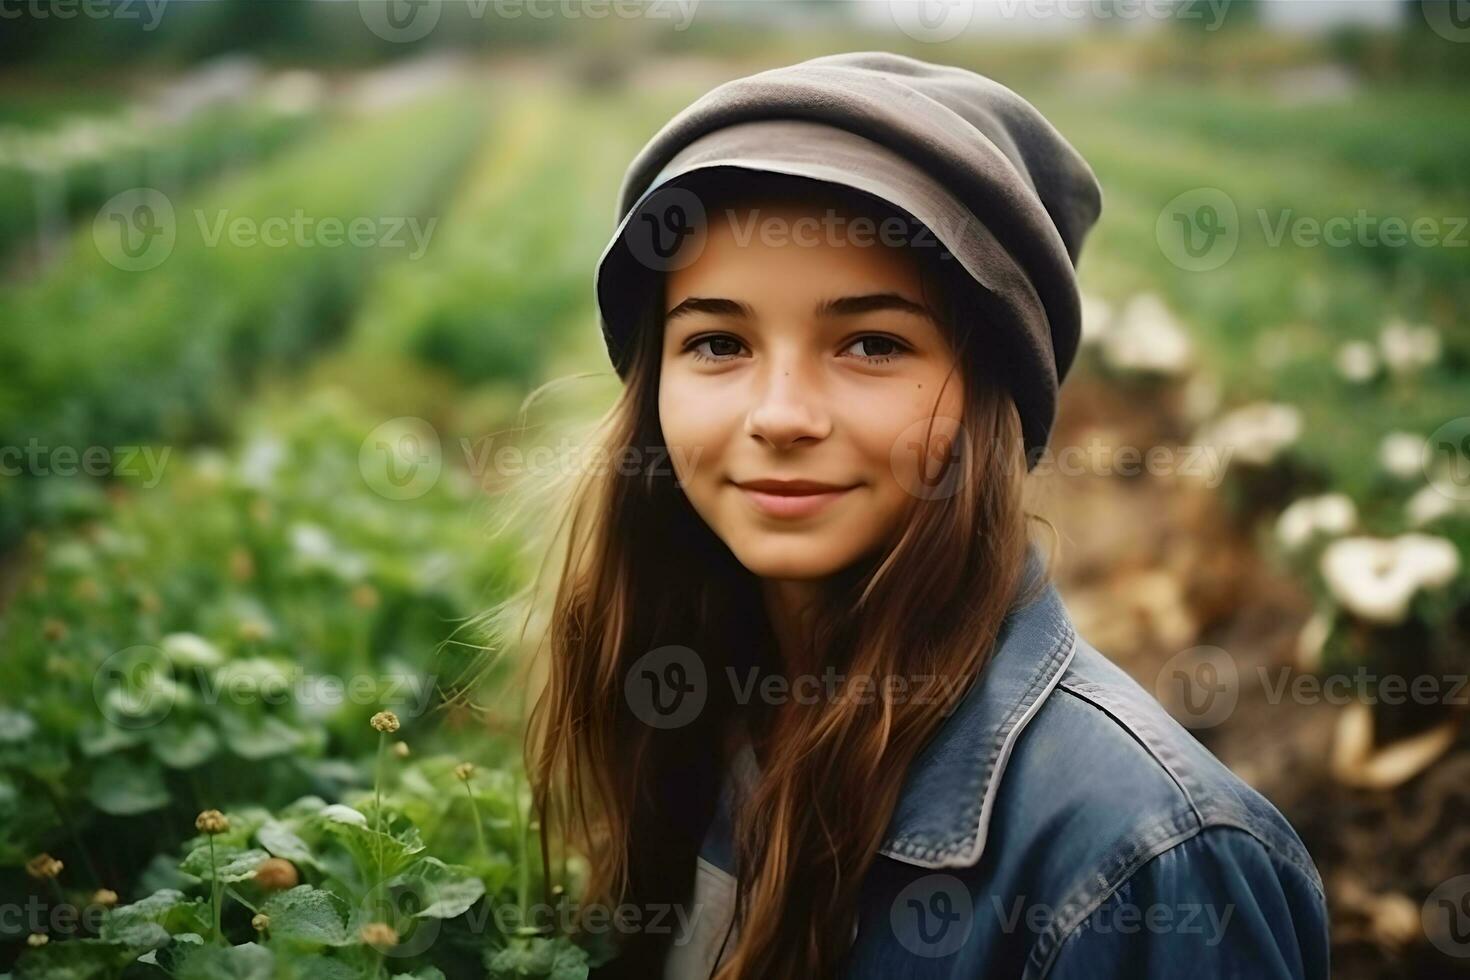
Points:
x=791 y=498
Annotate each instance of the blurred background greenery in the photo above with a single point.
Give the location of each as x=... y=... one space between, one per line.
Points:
x=276 y=276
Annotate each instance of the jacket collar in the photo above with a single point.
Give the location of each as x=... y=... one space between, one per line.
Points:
x=944 y=808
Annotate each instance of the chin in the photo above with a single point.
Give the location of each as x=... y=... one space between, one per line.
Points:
x=795 y=557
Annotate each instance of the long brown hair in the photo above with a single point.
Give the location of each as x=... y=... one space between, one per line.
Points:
x=639 y=571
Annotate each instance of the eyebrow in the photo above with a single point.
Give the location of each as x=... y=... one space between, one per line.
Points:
x=844 y=306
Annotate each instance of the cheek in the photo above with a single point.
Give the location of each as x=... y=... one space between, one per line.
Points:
x=892 y=428
x=696 y=424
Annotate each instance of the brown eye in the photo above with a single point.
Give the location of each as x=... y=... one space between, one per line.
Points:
x=878 y=348
x=722 y=348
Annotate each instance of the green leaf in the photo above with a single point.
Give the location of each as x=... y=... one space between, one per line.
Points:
x=394 y=848
x=315 y=966
x=448 y=890
x=75 y=959
x=184 y=747
x=169 y=952
x=234 y=863
x=261 y=738
x=247 y=962
x=103 y=738
x=283 y=842
x=537 y=959
x=124 y=788
x=15 y=726
x=149 y=921
x=307 y=915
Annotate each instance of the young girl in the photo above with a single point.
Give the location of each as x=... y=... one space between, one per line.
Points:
x=812 y=707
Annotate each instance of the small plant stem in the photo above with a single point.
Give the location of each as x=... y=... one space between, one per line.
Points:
x=475 y=814
x=214 y=892
x=378 y=800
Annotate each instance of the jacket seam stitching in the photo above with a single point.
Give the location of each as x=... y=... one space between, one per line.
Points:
x=907 y=847
x=1065 y=935
x=1092 y=694
x=1280 y=846
x=1058 y=935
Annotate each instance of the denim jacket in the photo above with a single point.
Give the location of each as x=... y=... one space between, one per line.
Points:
x=1061 y=824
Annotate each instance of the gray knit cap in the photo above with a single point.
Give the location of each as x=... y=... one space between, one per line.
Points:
x=989 y=176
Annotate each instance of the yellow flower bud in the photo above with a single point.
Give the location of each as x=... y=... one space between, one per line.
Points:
x=211 y=822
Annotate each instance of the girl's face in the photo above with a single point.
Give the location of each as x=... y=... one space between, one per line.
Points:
x=791 y=353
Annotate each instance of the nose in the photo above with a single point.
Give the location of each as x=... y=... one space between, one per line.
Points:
x=787 y=409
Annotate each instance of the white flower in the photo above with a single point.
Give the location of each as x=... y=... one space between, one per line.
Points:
x=1254 y=433
x=1400 y=454
x=260 y=461
x=191 y=650
x=1327 y=515
x=1097 y=314
x=311 y=542
x=1376 y=578
x=1406 y=347
x=1357 y=360
x=1145 y=337
x=1201 y=397
x=1311 y=640
x=1428 y=505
